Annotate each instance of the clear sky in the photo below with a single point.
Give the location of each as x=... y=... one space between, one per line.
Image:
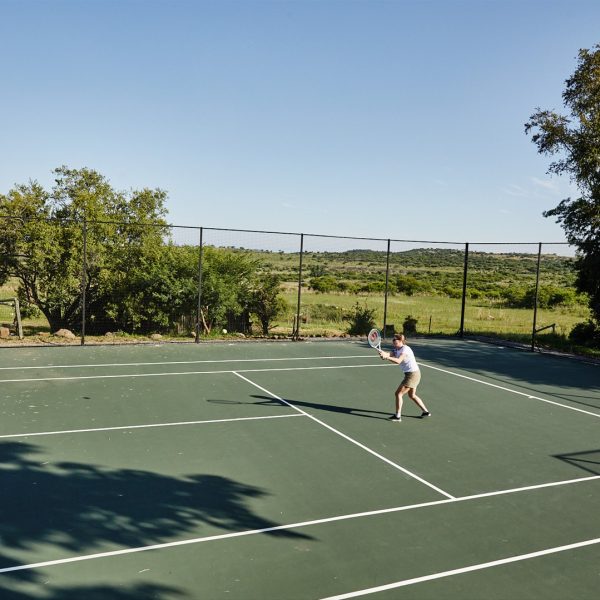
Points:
x=401 y=119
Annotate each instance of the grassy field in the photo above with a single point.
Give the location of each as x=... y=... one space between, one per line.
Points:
x=434 y=314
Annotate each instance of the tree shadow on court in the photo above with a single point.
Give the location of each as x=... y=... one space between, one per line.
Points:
x=346 y=410
x=92 y=592
x=77 y=509
x=569 y=380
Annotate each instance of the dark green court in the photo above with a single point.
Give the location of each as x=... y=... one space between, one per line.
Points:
x=257 y=470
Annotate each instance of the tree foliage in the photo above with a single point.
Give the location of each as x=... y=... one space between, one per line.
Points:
x=44 y=244
x=135 y=279
x=361 y=319
x=574 y=140
x=264 y=300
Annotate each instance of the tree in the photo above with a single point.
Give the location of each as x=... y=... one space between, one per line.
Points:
x=226 y=283
x=42 y=243
x=575 y=140
x=265 y=301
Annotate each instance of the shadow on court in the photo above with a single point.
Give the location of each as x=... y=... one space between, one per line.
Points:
x=573 y=381
x=91 y=592
x=347 y=410
x=588 y=460
x=81 y=509
x=268 y=401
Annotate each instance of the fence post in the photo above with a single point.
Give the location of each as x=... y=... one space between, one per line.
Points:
x=461 y=331
x=199 y=307
x=387 y=280
x=535 y=298
x=83 y=280
x=296 y=331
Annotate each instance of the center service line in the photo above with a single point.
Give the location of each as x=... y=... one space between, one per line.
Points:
x=383 y=458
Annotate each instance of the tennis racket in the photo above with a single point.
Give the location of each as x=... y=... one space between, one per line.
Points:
x=374 y=338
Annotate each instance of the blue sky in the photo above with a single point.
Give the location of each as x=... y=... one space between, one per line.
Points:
x=400 y=119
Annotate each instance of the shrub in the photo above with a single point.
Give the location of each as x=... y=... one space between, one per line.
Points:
x=361 y=319
x=326 y=312
x=410 y=325
x=586 y=334
x=323 y=284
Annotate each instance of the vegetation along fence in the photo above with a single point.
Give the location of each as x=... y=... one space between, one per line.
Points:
x=115 y=281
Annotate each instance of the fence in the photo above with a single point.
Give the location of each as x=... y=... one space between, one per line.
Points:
x=113 y=279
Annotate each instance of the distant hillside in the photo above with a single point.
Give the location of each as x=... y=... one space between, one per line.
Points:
x=509 y=277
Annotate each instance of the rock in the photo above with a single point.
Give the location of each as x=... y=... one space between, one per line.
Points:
x=4 y=333
x=65 y=333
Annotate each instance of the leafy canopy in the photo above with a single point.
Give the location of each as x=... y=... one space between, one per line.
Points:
x=574 y=140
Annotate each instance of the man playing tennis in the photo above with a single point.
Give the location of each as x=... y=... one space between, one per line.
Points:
x=403 y=355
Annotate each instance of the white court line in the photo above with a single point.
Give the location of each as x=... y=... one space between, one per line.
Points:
x=134 y=375
x=383 y=458
x=181 y=362
x=16 y=435
x=61 y=561
x=505 y=389
x=487 y=565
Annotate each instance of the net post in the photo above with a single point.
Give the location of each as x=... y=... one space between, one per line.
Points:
x=461 y=331
x=83 y=280
x=387 y=281
x=18 y=319
x=199 y=307
x=296 y=331
x=535 y=298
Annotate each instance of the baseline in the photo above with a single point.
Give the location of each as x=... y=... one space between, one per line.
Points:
x=134 y=375
x=179 y=362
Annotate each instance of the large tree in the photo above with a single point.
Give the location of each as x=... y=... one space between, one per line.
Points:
x=574 y=140
x=42 y=237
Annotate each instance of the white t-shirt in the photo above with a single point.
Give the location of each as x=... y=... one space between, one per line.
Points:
x=409 y=364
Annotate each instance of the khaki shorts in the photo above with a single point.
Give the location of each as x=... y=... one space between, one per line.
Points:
x=411 y=379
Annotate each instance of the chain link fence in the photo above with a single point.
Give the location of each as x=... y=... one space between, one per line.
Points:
x=108 y=282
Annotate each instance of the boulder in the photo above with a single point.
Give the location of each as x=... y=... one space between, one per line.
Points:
x=65 y=333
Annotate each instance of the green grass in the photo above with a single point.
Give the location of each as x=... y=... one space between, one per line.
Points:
x=434 y=314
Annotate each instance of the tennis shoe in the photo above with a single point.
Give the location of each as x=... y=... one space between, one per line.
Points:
x=395 y=419
x=425 y=414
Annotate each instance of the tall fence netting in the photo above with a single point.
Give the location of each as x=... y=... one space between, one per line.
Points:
x=108 y=282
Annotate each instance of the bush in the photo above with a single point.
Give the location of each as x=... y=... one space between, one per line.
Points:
x=452 y=292
x=409 y=285
x=410 y=325
x=323 y=284
x=586 y=334
x=373 y=287
x=361 y=319
x=326 y=312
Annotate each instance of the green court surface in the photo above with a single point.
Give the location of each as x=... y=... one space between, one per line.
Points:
x=262 y=471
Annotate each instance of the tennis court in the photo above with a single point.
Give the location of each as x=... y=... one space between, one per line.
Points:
x=254 y=470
